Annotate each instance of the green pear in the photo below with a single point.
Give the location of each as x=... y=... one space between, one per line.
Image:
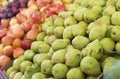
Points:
x=103 y=20
x=108 y=45
x=47 y=24
x=115 y=34
x=85 y=3
x=41 y=36
x=117 y=47
x=65 y=14
x=97 y=9
x=50 y=30
x=80 y=42
x=79 y=29
x=118 y=5
x=109 y=10
x=46 y=67
x=9 y=70
x=90 y=66
x=96 y=3
x=98 y=32
x=70 y=47
x=51 y=39
x=115 y=18
x=18 y=75
x=70 y=21
x=91 y=26
x=109 y=29
x=90 y=77
x=50 y=53
x=24 y=65
x=90 y=15
x=39 y=58
x=30 y=71
x=46 y=39
x=78 y=14
x=58 y=32
x=59 y=21
x=17 y=62
x=36 y=45
x=77 y=2
x=44 y=48
x=75 y=73
x=73 y=58
x=12 y=74
x=94 y=49
x=67 y=33
x=59 y=71
x=29 y=54
x=72 y=7
x=38 y=75
x=60 y=44
x=58 y=56
x=111 y=2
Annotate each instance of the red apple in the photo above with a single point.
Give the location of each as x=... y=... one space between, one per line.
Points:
x=21 y=18
x=37 y=27
x=50 y=13
x=36 y=16
x=57 y=2
x=1 y=48
x=13 y=21
x=32 y=34
x=8 y=51
x=7 y=40
x=2 y=33
x=40 y=3
x=25 y=26
x=5 y=23
x=17 y=43
x=47 y=1
x=26 y=44
x=18 y=52
x=4 y=60
x=31 y=2
x=18 y=32
x=60 y=8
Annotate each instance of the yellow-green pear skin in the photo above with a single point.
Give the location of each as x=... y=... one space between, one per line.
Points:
x=80 y=42
x=93 y=49
x=98 y=33
x=79 y=29
x=73 y=58
x=75 y=73
x=60 y=44
x=90 y=66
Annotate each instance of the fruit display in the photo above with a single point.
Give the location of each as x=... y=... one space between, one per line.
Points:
x=17 y=33
x=12 y=8
x=78 y=40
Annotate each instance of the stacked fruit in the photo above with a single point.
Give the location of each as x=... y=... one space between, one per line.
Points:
x=12 y=8
x=17 y=33
x=3 y=3
x=80 y=43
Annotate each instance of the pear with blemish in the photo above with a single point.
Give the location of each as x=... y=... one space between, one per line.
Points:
x=90 y=66
x=115 y=34
x=94 y=49
x=73 y=58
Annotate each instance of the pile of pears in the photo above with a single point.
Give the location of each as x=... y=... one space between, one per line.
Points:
x=81 y=42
